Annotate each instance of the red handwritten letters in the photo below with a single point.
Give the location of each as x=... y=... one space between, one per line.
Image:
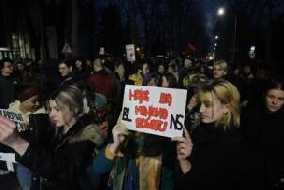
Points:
x=151 y=117
x=165 y=98
x=154 y=124
x=151 y=111
x=140 y=95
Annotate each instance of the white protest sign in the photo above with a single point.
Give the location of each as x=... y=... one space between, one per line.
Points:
x=102 y=51
x=154 y=110
x=10 y=166
x=187 y=62
x=130 y=52
x=66 y=48
x=9 y=158
x=16 y=117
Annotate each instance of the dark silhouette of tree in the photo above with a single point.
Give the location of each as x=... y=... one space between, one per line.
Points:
x=110 y=35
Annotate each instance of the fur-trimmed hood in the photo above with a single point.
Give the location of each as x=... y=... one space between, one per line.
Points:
x=91 y=132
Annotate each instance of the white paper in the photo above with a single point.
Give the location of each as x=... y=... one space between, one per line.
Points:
x=154 y=110
x=130 y=52
x=8 y=157
x=66 y=48
x=16 y=117
x=102 y=51
x=10 y=166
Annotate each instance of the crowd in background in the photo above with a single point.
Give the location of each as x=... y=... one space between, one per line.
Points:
x=73 y=137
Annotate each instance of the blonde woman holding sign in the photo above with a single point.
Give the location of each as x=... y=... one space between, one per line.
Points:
x=214 y=157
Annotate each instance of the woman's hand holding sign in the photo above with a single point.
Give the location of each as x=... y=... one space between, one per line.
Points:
x=184 y=149
x=10 y=137
x=7 y=131
x=119 y=133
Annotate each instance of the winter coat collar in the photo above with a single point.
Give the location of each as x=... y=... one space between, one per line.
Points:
x=208 y=133
x=83 y=130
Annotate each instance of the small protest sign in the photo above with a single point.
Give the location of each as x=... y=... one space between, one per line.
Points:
x=154 y=110
x=130 y=52
x=102 y=51
x=9 y=158
x=16 y=117
x=187 y=62
x=66 y=48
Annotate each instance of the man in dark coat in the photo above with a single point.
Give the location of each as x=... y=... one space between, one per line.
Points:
x=7 y=84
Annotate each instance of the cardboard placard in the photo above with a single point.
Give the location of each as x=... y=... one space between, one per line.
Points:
x=130 y=52
x=102 y=51
x=16 y=117
x=154 y=110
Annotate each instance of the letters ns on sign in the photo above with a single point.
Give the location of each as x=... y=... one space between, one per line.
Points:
x=175 y=121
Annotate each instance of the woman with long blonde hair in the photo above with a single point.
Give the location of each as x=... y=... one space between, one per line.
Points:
x=214 y=157
x=62 y=160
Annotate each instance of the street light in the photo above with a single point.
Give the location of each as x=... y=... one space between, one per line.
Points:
x=221 y=12
x=216 y=37
x=252 y=52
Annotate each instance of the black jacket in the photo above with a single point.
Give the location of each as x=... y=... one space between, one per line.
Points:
x=220 y=161
x=63 y=160
x=7 y=91
x=264 y=131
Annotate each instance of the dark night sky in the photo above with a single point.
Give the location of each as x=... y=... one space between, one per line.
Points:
x=209 y=7
x=171 y=25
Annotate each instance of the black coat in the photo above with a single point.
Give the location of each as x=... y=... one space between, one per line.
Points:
x=62 y=161
x=264 y=131
x=220 y=161
x=7 y=91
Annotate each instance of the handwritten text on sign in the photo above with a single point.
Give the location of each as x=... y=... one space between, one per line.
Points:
x=16 y=117
x=154 y=110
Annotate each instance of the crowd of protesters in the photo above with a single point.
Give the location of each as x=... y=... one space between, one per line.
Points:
x=73 y=137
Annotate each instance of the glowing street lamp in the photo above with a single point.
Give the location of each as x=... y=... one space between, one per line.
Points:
x=221 y=11
x=216 y=37
x=252 y=52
